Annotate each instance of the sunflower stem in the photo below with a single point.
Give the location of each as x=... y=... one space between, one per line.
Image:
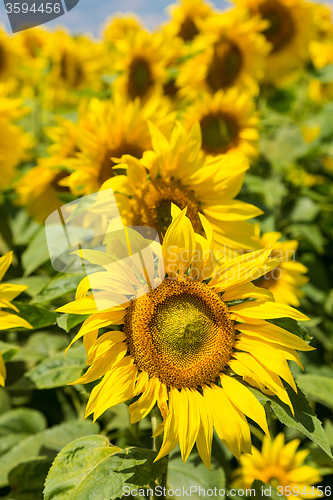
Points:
x=156 y=419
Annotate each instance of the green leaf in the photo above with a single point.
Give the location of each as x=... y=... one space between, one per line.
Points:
x=4 y=401
x=292 y=326
x=42 y=345
x=308 y=232
x=8 y=351
x=324 y=75
x=55 y=371
x=69 y=321
x=37 y=316
x=281 y=100
x=305 y=210
x=27 y=480
x=93 y=468
x=35 y=284
x=304 y=420
x=45 y=443
x=194 y=473
x=36 y=254
x=317 y=387
x=59 y=286
x=18 y=424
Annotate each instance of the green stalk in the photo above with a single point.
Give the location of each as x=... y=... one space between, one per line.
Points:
x=156 y=419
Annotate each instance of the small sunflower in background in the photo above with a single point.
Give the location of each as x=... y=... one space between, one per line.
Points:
x=186 y=17
x=228 y=122
x=290 y=29
x=14 y=141
x=230 y=52
x=120 y=26
x=108 y=129
x=180 y=343
x=9 y=59
x=176 y=171
x=279 y=465
x=8 y=293
x=32 y=45
x=40 y=189
x=286 y=280
x=74 y=64
x=141 y=61
x=321 y=54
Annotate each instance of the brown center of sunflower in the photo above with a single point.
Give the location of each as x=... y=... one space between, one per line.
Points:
x=219 y=133
x=188 y=29
x=154 y=209
x=56 y=179
x=140 y=78
x=180 y=332
x=71 y=70
x=106 y=171
x=170 y=88
x=225 y=65
x=281 y=25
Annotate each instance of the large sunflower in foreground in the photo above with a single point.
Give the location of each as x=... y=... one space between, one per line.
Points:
x=286 y=280
x=230 y=52
x=108 y=129
x=8 y=292
x=228 y=122
x=186 y=17
x=291 y=28
x=281 y=466
x=183 y=343
x=40 y=189
x=179 y=173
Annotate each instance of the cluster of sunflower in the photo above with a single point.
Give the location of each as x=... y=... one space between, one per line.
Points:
x=215 y=131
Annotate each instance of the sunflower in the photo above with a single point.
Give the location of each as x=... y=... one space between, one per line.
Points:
x=286 y=280
x=9 y=58
x=291 y=28
x=178 y=173
x=181 y=340
x=14 y=142
x=186 y=17
x=142 y=61
x=32 y=45
x=7 y=294
x=230 y=52
x=75 y=64
x=108 y=129
x=40 y=189
x=281 y=466
x=120 y=26
x=228 y=122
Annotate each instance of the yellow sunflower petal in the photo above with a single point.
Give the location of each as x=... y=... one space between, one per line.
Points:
x=245 y=401
x=8 y=320
x=178 y=245
x=2 y=371
x=5 y=262
x=255 y=311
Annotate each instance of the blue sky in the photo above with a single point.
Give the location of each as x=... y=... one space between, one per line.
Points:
x=90 y=15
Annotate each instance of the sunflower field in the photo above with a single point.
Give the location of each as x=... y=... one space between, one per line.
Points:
x=171 y=336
